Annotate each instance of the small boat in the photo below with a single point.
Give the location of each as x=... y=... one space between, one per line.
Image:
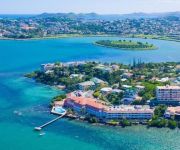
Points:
x=41 y=134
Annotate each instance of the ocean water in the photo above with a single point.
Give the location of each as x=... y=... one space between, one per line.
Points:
x=24 y=104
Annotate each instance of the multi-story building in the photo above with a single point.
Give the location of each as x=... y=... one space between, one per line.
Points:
x=129 y=112
x=168 y=94
x=85 y=105
x=101 y=110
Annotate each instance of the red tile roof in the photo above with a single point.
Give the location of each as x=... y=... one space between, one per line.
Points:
x=87 y=101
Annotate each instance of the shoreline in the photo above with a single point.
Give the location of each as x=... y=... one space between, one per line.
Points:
x=80 y=119
x=59 y=37
x=93 y=35
x=155 y=37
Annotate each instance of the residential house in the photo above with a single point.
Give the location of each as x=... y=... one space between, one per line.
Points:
x=87 y=85
x=130 y=95
x=139 y=88
x=104 y=68
x=106 y=90
x=98 y=81
x=127 y=75
x=80 y=76
x=173 y=112
x=47 y=67
x=115 y=67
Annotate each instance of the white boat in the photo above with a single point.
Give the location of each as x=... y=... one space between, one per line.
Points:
x=41 y=134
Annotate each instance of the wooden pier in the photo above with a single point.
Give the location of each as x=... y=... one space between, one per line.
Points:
x=46 y=124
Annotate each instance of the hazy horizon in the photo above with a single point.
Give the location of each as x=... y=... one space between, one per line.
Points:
x=88 y=6
x=92 y=12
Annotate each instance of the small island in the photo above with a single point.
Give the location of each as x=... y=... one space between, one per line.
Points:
x=128 y=45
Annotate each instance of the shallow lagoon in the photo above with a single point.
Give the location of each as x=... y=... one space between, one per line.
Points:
x=23 y=55
x=24 y=104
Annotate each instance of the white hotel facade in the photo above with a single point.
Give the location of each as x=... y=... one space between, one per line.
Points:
x=168 y=94
x=102 y=111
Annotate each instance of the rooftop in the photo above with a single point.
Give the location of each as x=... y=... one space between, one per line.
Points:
x=110 y=109
x=140 y=86
x=87 y=83
x=126 y=86
x=173 y=110
x=130 y=109
x=97 y=81
x=87 y=101
x=106 y=89
x=168 y=87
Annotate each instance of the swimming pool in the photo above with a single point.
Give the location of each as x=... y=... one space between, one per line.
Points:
x=58 y=110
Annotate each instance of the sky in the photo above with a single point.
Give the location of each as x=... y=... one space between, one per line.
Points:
x=87 y=6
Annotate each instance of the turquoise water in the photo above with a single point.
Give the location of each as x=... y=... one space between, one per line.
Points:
x=24 y=104
x=23 y=55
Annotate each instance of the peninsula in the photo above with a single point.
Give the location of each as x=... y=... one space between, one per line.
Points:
x=124 y=44
x=115 y=94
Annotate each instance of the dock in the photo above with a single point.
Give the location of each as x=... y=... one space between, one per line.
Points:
x=46 y=124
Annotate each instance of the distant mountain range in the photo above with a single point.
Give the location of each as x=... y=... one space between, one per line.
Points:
x=94 y=16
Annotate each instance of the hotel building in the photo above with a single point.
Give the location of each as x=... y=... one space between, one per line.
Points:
x=168 y=94
x=101 y=110
x=129 y=112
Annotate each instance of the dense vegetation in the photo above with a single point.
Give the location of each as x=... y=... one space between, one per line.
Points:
x=123 y=44
x=141 y=74
x=159 y=121
x=57 y=98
